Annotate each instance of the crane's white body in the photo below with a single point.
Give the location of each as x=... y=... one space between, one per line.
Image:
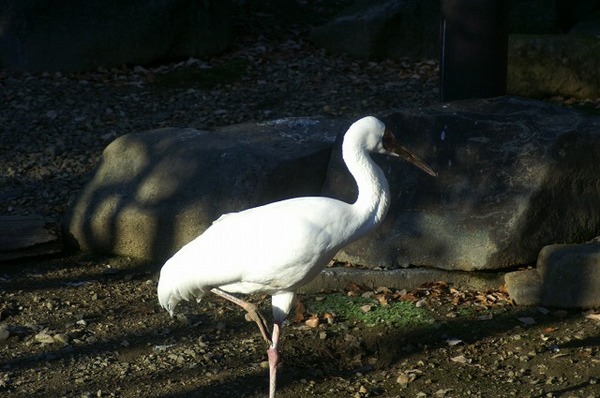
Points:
x=281 y=246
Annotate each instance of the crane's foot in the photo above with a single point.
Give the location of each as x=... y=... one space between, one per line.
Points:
x=252 y=311
x=254 y=314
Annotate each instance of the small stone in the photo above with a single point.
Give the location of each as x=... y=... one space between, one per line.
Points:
x=44 y=338
x=329 y=318
x=405 y=378
x=460 y=359
x=61 y=338
x=421 y=303
x=527 y=320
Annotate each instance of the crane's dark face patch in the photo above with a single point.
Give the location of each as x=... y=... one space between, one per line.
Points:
x=388 y=140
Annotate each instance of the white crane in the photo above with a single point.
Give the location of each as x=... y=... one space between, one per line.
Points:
x=278 y=247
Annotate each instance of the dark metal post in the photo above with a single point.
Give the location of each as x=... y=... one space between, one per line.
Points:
x=474 y=48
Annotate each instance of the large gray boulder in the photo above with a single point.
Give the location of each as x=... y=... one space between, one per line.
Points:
x=566 y=276
x=46 y=35
x=514 y=176
x=155 y=191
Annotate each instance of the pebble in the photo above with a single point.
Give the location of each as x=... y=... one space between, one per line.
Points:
x=405 y=378
x=61 y=338
x=44 y=338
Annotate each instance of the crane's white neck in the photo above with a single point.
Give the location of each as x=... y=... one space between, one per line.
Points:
x=373 y=199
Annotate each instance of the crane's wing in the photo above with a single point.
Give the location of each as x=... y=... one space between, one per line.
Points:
x=271 y=248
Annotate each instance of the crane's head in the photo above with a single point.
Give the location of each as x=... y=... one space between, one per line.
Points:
x=371 y=134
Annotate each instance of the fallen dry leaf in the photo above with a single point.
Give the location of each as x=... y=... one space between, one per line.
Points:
x=491 y=297
x=381 y=298
x=312 y=322
x=481 y=298
x=595 y=317
x=330 y=318
x=299 y=312
x=383 y=289
x=408 y=297
x=366 y=307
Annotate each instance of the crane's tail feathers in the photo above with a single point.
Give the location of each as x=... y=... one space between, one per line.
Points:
x=169 y=296
x=177 y=282
x=169 y=302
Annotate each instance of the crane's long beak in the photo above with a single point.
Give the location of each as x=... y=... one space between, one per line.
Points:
x=392 y=145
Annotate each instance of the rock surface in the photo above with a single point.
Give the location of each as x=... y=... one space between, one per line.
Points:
x=156 y=191
x=566 y=276
x=525 y=286
x=550 y=65
x=514 y=176
x=336 y=278
x=398 y=28
x=44 y=35
x=26 y=236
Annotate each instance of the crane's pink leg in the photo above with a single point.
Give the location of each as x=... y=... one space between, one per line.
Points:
x=253 y=312
x=273 y=355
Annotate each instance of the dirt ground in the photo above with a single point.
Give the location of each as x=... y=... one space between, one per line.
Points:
x=89 y=326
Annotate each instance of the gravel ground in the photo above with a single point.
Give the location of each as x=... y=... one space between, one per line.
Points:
x=88 y=326
x=83 y=326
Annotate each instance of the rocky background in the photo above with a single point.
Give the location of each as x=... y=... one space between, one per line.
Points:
x=253 y=62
